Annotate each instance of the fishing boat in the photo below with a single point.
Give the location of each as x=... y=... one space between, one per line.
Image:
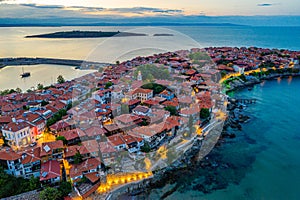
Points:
x=24 y=74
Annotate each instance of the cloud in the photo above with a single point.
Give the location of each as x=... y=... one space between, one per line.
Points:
x=265 y=4
x=144 y=10
x=133 y=11
x=32 y=5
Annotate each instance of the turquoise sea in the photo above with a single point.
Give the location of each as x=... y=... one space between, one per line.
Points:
x=262 y=162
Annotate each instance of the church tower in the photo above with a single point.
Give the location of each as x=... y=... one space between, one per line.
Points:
x=139 y=77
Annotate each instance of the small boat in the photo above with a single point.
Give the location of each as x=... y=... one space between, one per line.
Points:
x=24 y=74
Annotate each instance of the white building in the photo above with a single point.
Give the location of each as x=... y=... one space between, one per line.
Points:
x=18 y=134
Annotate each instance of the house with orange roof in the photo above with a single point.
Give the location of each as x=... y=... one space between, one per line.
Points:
x=35 y=120
x=52 y=150
x=140 y=93
x=88 y=166
x=11 y=162
x=108 y=153
x=128 y=120
x=70 y=152
x=31 y=162
x=152 y=134
x=59 y=126
x=95 y=132
x=117 y=142
x=18 y=134
x=72 y=136
x=50 y=173
x=193 y=110
x=133 y=143
x=90 y=148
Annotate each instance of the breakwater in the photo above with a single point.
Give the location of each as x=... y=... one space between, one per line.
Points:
x=81 y=64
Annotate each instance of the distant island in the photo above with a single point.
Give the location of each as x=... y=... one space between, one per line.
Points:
x=163 y=34
x=85 y=34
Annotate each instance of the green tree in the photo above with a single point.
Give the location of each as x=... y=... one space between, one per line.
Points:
x=18 y=90
x=100 y=69
x=62 y=138
x=199 y=56
x=108 y=84
x=223 y=74
x=34 y=183
x=50 y=193
x=44 y=103
x=60 y=79
x=204 y=113
x=40 y=86
x=171 y=109
x=157 y=88
x=78 y=158
x=65 y=188
x=146 y=147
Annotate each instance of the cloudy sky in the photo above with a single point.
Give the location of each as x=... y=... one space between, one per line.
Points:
x=113 y=9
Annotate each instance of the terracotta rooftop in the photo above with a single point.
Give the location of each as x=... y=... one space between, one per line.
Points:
x=106 y=147
x=16 y=126
x=78 y=169
x=49 y=170
x=9 y=154
x=94 y=131
x=31 y=155
x=47 y=147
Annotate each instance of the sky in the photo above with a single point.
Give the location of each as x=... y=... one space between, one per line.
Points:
x=116 y=9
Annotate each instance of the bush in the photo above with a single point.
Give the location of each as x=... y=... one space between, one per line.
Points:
x=50 y=193
x=11 y=185
x=146 y=148
x=157 y=88
x=62 y=138
x=171 y=109
x=204 y=113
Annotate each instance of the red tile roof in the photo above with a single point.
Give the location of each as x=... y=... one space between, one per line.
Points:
x=16 y=126
x=51 y=169
x=71 y=134
x=31 y=155
x=116 y=140
x=106 y=147
x=91 y=146
x=47 y=147
x=89 y=164
x=9 y=154
x=95 y=131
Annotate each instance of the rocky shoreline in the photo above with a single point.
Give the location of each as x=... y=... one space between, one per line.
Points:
x=239 y=84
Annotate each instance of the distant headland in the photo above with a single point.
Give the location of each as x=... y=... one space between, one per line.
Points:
x=85 y=34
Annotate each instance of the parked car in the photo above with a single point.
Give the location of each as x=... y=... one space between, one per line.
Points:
x=33 y=144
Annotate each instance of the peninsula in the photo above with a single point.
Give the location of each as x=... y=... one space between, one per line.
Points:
x=131 y=124
x=85 y=34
